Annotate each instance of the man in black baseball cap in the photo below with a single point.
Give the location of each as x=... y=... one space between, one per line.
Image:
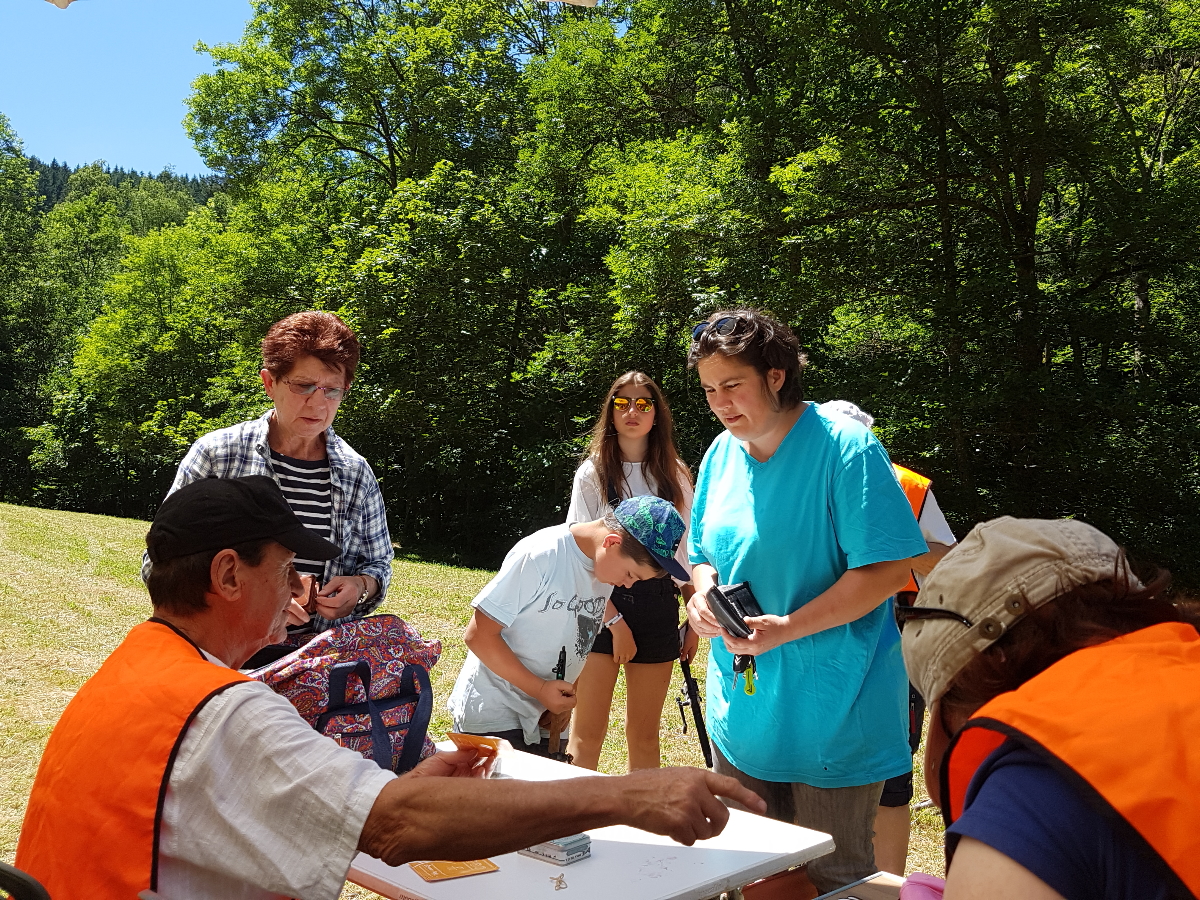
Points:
x=180 y=776
x=236 y=537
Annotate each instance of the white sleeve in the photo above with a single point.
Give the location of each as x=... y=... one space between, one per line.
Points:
x=519 y=582
x=258 y=798
x=934 y=526
x=587 y=501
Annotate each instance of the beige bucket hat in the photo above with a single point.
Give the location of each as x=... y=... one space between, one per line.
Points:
x=1001 y=570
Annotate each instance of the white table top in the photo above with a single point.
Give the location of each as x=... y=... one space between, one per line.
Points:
x=625 y=862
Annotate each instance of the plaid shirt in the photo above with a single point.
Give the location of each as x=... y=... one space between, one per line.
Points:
x=357 y=519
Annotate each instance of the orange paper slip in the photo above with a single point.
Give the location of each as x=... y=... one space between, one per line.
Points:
x=441 y=871
x=487 y=746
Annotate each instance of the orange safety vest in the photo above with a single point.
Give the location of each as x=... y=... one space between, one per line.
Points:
x=916 y=489
x=1122 y=717
x=91 y=827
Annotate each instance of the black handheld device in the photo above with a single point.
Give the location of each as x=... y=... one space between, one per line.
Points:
x=731 y=603
x=558 y=722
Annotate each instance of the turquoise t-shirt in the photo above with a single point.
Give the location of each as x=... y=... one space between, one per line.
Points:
x=831 y=709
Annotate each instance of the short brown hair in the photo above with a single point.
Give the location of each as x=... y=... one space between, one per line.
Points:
x=758 y=340
x=177 y=586
x=631 y=547
x=313 y=333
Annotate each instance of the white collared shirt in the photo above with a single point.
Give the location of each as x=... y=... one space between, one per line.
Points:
x=259 y=805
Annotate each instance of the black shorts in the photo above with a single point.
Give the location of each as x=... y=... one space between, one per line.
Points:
x=652 y=610
x=897 y=791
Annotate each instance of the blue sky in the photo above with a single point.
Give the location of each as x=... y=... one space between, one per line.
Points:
x=107 y=79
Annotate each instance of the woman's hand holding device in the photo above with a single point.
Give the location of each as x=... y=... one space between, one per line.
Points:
x=700 y=617
x=767 y=634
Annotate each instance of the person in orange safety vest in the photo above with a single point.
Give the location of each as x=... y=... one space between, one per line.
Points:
x=1064 y=698
x=171 y=774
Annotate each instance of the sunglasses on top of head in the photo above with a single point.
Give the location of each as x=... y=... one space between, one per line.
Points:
x=641 y=404
x=724 y=326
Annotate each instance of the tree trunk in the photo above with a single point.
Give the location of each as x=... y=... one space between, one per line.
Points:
x=1141 y=316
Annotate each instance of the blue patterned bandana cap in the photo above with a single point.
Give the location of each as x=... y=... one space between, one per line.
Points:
x=654 y=523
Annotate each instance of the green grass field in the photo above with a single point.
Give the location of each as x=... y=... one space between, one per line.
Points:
x=70 y=590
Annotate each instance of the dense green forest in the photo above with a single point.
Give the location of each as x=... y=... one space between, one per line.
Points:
x=979 y=217
x=54 y=181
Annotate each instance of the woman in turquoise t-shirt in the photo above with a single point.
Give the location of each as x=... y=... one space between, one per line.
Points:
x=805 y=507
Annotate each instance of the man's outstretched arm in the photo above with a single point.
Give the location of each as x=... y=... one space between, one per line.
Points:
x=470 y=818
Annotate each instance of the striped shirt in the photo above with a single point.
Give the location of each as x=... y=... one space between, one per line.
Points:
x=357 y=517
x=306 y=488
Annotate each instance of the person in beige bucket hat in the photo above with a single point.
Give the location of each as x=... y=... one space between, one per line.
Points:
x=1064 y=693
x=1004 y=569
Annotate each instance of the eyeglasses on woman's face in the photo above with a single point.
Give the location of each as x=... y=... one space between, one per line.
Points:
x=724 y=326
x=640 y=404
x=307 y=389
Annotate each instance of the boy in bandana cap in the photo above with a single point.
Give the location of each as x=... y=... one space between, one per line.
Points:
x=549 y=595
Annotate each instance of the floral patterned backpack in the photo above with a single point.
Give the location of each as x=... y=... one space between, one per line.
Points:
x=366 y=685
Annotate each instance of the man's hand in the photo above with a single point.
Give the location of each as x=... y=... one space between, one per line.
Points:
x=769 y=632
x=624 y=646
x=468 y=763
x=450 y=818
x=683 y=803
x=557 y=696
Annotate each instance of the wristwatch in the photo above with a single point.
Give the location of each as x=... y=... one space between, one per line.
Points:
x=614 y=620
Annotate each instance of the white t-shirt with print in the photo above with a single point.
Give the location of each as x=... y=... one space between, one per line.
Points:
x=546 y=597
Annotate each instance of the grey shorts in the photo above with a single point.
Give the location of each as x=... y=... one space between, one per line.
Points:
x=847 y=813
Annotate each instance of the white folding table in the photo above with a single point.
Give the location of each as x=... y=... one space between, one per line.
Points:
x=625 y=862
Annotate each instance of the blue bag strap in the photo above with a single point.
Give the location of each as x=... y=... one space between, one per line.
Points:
x=381 y=746
x=412 y=678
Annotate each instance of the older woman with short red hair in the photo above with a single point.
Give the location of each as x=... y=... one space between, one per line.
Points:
x=309 y=359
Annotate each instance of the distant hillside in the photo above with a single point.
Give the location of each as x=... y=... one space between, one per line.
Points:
x=53 y=176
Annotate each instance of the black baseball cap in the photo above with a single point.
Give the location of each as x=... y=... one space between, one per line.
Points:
x=219 y=513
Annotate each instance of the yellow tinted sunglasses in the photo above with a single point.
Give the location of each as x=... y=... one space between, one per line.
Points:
x=641 y=404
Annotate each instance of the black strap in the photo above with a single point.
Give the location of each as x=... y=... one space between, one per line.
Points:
x=415 y=677
x=157 y=621
x=21 y=885
x=381 y=747
x=414 y=688
x=613 y=497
